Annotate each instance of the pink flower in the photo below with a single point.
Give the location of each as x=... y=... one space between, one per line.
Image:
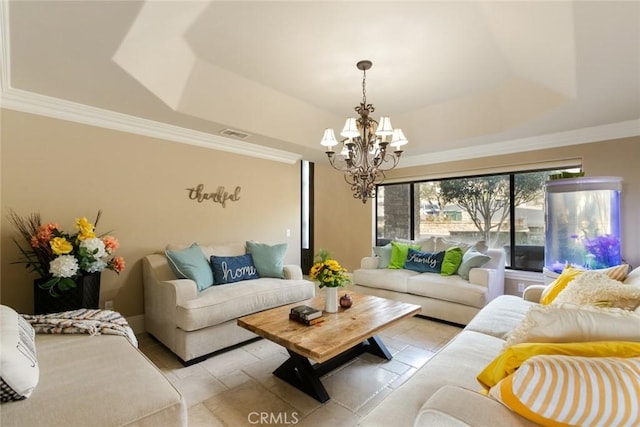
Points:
x=45 y=233
x=118 y=264
x=111 y=244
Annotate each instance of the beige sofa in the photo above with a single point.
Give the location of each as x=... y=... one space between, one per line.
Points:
x=95 y=381
x=445 y=391
x=194 y=324
x=449 y=298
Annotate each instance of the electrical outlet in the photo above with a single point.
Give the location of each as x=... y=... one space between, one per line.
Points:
x=520 y=287
x=108 y=305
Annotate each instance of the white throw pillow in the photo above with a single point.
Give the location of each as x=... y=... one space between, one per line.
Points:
x=443 y=244
x=596 y=288
x=573 y=323
x=19 y=371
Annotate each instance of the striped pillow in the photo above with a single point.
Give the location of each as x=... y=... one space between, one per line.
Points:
x=571 y=390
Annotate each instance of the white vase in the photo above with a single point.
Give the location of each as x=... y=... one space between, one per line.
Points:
x=331 y=300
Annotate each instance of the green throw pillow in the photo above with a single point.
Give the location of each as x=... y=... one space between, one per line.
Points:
x=451 y=262
x=190 y=263
x=471 y=259
x=399 y=253
x=267 y=259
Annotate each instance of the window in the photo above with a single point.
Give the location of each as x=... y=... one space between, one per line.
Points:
x=505 y=210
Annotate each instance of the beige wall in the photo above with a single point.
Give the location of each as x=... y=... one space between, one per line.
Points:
x=65 y=170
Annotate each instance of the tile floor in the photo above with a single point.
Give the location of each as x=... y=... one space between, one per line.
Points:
x=236 y=388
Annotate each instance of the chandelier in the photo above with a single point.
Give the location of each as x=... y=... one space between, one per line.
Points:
x=365 y=157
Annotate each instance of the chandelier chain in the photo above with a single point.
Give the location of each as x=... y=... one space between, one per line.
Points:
x=364 y=87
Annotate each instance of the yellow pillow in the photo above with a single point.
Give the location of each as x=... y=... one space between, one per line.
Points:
x=512 y=357
x=574 y=391
x=552 y=291
x=618 y=272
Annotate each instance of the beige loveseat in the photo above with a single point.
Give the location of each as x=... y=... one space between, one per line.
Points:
x=449 y=298
x=194 y=324
x=99 y=380
x=445 y=391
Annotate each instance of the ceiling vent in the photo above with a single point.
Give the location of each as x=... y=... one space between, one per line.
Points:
x=235 y=133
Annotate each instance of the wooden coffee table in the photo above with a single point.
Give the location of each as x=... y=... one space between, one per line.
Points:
x=341 y=337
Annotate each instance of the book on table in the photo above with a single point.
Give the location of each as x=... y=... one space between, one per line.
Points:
x=306 y=322
x=305 y=312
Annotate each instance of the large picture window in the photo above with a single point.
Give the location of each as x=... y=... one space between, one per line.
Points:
x=505 y=210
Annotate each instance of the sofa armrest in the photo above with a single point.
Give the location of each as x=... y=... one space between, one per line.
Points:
x=456 y=406
x=369 y=262
x=292 y=272
x=533 y=293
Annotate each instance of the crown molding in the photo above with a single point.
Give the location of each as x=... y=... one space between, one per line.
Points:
x=541 y=142
x=30 y=102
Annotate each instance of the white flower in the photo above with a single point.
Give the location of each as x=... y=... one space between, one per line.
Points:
x=92 y=244
x=64 y=266
x=97 y=266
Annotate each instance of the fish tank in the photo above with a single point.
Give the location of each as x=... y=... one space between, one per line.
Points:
x=582 y=223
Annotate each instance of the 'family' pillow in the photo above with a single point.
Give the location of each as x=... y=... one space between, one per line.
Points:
x=233 y=269
x=19 y=371
x=424 y=262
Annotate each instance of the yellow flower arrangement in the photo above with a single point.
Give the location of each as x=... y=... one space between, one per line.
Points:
x=328 y=272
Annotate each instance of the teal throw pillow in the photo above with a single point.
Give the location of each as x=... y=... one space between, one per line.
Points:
x=451 y=262
x=230 y=269
x=399 y=253
x=190 y=263
x=471 y=259
x=384 y=255
x=268 y=259
x=424 y=262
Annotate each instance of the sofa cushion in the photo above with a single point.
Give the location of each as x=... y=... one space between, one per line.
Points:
x=19 y=370
x=457 y=363
x=190 y=263
x=500 y=316
x=569 y=273
x=427 y=244
x=390 y=279
x=96 y=380
x=221 y=303
x=268 y=259
x=233 y=269
x=613 y=384
x=471 y=259
x=384 y=255
x=424 y=262
x=571 y=323
x=399 y=253
x=447 y=288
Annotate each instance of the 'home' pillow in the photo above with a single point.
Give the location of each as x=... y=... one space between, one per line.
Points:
x=19 y=371
x=233 y=269
x=424 y=262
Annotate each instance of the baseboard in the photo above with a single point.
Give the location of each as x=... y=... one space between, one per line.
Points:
x=137 y=323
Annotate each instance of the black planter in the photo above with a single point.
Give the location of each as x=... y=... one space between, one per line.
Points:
x=86 y=294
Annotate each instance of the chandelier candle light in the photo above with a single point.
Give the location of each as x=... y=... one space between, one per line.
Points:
x=364 y=157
